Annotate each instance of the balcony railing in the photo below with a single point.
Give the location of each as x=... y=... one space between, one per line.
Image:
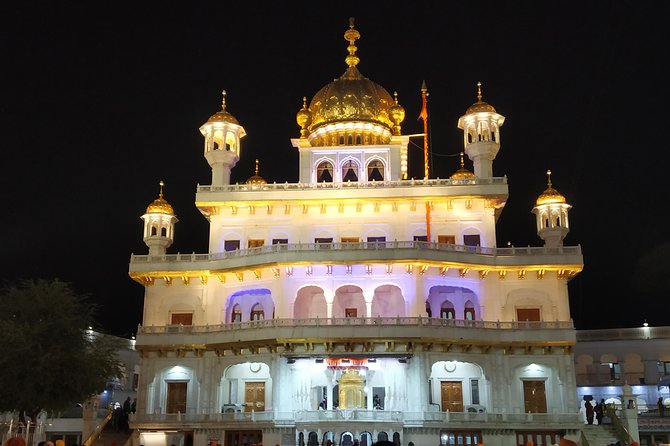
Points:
x=360 y=415
x=394 y=245
x=357 y=321
x=351 y=185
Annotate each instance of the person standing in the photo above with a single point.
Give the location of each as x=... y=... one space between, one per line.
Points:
x=588 y=406
x=600 y=411
x=126 y=405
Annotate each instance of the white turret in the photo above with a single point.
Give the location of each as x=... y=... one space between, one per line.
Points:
x=222 y=135
x=159 y=221
x=481 y=134
x=551 y=213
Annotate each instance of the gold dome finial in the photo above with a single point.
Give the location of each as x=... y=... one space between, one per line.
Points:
x=256 y=179
x=397 y=114
x=160 y=205
x=550 y=195
x=352 y=35
x=222 y=115
x=304 y=118
x=462 y=173
x=480 y=105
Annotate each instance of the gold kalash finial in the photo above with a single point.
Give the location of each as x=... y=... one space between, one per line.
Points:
x=352 y=35
x=256 y=172
x=548 y=179
x=160 y=193
x=223 y=100
x=479 y=91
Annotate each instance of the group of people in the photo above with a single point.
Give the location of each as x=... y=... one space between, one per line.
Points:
x=121 y=415
x=596 y=411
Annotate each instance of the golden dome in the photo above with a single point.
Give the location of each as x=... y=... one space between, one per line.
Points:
x=462 y=173
x=550 y=195
x=353 y=97
x=223 y=115
x=159 y=205
x=256 y=179
x=480 y=106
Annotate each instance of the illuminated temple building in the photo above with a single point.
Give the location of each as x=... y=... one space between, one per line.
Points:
x=356 y=305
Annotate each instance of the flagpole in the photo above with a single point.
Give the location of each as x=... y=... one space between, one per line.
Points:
x=424 y=115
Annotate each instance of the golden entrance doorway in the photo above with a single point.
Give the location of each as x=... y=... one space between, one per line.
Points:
x=254 y=396
x=452 y=396
x=534 y=397
x=176 y=397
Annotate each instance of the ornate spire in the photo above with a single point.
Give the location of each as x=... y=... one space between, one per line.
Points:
x=223 y=100
x=352 y=35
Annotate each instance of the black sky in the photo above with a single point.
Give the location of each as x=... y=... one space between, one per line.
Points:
x=101 y=100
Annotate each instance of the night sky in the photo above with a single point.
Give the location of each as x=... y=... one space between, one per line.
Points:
x=102 y=100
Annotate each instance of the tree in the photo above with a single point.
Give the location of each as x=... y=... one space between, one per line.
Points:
x=50 y=359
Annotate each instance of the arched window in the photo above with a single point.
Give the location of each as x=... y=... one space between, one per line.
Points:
x=350 y=139
x=237 y=314
x=447 y=311
x=154 y=231
x=324 y=172
x=257 y=313
x=358 y=140
x=350 y=171
x=341 y=140
x=375 y=171
x=469 y=313
x=164 y=232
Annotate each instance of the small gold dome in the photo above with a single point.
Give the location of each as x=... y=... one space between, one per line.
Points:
x=462 y=173
x=480 y=106
x=353 y=97
x=304 y=118
x=159 y=205
x=550 y=195
x=223 y=115
x=256 y=179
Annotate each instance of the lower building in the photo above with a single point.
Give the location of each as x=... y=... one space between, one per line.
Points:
x=608 y=360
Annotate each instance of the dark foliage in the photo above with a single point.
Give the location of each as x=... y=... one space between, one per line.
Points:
x=50 y=359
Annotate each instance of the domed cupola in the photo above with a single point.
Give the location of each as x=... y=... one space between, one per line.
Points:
x=159 y=221
x=256 y=179
x=351 y=110
x=222 y=134
x=481 y=134
x=551 y=212
x=462 y=173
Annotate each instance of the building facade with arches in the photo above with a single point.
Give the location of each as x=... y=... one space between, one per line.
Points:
x=356 y=305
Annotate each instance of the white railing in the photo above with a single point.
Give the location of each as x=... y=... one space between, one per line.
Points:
x=357 y=321
x=612 y=334
x=361 y=415
x=350 y=185
x=396 y=245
